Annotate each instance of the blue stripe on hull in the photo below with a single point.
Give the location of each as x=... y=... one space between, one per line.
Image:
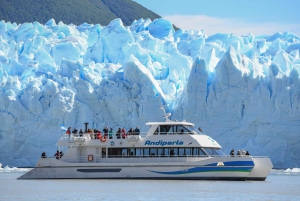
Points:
x=234 y=163
x=206 y=169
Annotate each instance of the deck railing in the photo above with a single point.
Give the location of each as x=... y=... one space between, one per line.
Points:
x=141 y=159
x=130 y=159
x=92 y=136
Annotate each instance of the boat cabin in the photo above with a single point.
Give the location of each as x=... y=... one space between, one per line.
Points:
x=163 y=139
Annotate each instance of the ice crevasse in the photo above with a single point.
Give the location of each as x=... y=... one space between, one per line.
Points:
x=244 y=91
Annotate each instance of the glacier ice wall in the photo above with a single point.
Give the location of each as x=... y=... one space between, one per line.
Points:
x=244 y=91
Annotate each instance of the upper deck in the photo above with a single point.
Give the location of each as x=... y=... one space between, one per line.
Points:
x=160 y=134
x=169 y=138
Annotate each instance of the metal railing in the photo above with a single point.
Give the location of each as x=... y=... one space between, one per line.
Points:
x=132 y=159
x=95 y=136
x=92 y=136
x=141 y=159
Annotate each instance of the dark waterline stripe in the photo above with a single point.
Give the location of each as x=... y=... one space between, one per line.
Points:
x=98 y=170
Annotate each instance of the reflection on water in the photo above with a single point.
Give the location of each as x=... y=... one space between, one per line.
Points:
x=279 y=185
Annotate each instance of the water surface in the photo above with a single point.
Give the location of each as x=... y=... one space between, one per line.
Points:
x=278 y=186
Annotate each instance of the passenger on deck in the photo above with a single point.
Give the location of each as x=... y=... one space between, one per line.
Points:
x=80 y=133
x=105 y=131
x=123 y=133
x=200 y=130
x=99 y=134
x=232 y=153
x=172 y=153
x=96 y=133
x=137 y=131
x=57 y=155
x=90 y=131
x=111 y=133
x=130 y=131
x=68 y=130
x=247 y=153
x=61 y=154
x=118 y=134
x=243 y=152
x=74 y=131
x=238 y=152
x=181 y=131
x=43 y=155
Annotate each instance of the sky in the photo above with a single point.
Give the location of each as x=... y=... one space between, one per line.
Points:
x=240 y=17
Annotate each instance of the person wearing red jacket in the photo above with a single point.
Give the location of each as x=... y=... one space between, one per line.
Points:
x=99 y=134
x=68 y=131
x=123 y=132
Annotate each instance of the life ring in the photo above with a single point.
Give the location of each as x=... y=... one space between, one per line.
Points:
x=103 y=138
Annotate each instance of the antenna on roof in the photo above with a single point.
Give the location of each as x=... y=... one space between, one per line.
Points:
x=166 y=115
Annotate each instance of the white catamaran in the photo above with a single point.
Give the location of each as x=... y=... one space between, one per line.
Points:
x=169 y=150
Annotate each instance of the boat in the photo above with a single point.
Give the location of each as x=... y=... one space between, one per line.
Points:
x=169 y=150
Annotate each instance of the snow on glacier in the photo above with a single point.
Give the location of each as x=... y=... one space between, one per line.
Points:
x=244 y=91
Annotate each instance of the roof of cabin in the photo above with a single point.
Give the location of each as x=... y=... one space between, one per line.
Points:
x=171 y=123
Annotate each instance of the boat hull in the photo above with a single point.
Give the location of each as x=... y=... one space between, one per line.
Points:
x=216 y=168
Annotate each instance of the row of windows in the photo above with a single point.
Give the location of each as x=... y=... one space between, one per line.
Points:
x=174 y=129
x=185 y=151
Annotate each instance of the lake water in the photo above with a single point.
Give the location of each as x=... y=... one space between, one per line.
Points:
x=278 y=186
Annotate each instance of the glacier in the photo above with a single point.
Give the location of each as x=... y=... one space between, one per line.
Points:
x=244 y=91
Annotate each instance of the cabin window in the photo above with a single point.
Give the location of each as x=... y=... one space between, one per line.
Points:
x=188 y=151
x=146 y=152
x=184 y=152
x=160 y=152
x=138 y=152
x=173 y=152
x=156 y=131
x=172 y=130
x=201 y=152
x=166 y=151
x=211 y=152
x=153 y=152
x=192 y=130
x=181 y=152
x=114 y=152
x=220 y=152
x=182 y=130
x=195 y=151
x=124 y=152
x=131 y=151
x=164 y=129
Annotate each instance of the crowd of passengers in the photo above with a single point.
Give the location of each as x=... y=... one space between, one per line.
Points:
x=57 y=155
x=105 y=133
x=239 y=153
